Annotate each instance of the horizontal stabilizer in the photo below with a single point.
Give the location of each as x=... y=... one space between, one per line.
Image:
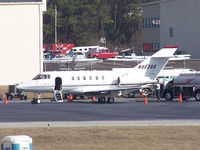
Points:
x=167 y=51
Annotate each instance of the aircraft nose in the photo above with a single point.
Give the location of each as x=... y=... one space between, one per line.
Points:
x=20 y=86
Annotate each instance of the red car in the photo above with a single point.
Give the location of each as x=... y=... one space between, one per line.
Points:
x=102 y=54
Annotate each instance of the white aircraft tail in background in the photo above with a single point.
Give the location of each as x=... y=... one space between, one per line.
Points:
x=100 y=83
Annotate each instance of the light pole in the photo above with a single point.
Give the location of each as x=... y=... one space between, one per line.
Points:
x=55 y=24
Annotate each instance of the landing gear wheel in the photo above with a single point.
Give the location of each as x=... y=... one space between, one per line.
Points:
x=145 y=92
x=36 y=101
x=131 y=95
x=9 y=97
x=110 y=100
x=197 y=95
x=101 y=99
x=39 y=101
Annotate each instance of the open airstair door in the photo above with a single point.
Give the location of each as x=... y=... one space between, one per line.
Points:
x=58 y=90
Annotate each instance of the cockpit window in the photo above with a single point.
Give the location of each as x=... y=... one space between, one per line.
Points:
x=42 y=76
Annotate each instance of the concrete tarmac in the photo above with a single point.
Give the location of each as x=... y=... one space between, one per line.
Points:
x=84 y=112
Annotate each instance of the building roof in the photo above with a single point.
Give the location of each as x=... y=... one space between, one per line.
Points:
x=10 y=1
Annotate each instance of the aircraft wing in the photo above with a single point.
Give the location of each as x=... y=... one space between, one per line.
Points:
x=142 y=58
x=102 y=89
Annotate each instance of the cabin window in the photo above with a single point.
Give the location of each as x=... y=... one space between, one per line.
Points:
x=171 y=32
x=78 y=78
x=97 y=77
x=90 y=77
x=103 y=77
x=84 y=78
x=72 y=78
x=42 y=76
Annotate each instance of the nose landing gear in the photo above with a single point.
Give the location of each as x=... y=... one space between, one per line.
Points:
x=37 y=100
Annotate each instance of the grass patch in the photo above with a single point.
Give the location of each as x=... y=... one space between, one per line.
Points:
x=118 y=138
x=3 y=89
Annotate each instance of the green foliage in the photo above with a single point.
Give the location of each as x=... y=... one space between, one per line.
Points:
x=83 y=22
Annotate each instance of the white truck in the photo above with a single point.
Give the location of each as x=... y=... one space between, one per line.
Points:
x=186 y=84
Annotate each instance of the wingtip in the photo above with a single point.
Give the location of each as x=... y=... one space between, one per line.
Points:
x=171 y=46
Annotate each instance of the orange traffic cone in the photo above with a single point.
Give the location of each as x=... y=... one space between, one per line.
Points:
x=70 y=97
x=93 y=98
x=145 y=100
x=180 y=98
x=142 y=94
x=5 y=100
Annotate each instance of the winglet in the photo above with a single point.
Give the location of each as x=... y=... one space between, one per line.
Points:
x=171 y=46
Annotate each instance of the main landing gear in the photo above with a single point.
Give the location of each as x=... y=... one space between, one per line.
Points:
x=103 y=99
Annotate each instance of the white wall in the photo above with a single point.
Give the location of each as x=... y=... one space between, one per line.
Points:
x=183 y=16
x=20 y=42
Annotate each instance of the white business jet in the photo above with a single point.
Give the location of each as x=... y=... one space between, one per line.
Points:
x=99 y=83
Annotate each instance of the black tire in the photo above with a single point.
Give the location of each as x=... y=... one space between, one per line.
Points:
x=25 y=97
x=168 y=95
x=101 y=99
x=110 y=100
x=146 y=91
x=185 y=99
x=9 y=97
x=34 y=101
x=197 y=95
x=131 y=95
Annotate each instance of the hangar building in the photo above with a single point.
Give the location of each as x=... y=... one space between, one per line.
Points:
x=21 y=39
x=172 y=22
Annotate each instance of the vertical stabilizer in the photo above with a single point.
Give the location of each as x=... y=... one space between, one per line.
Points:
x=152 y=66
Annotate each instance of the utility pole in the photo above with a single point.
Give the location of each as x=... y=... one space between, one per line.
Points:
x=115 y=15
x=55 y=24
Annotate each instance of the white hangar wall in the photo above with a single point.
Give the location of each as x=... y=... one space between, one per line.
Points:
x=180 y=25
x=20 y=41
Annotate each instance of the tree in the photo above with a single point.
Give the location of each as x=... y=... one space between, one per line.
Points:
x=83 y=22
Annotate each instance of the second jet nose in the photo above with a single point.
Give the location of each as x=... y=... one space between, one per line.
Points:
x=21 y=86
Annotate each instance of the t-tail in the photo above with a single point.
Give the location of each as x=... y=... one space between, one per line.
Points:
x=152 y=66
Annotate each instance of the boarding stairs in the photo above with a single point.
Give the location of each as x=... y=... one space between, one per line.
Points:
x=58 y=95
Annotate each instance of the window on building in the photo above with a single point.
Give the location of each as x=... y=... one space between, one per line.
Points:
x=72 y=78
x=151 y=22
x=97 y=77
x=151 y=47
x=78 y=78
x=171 y=32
